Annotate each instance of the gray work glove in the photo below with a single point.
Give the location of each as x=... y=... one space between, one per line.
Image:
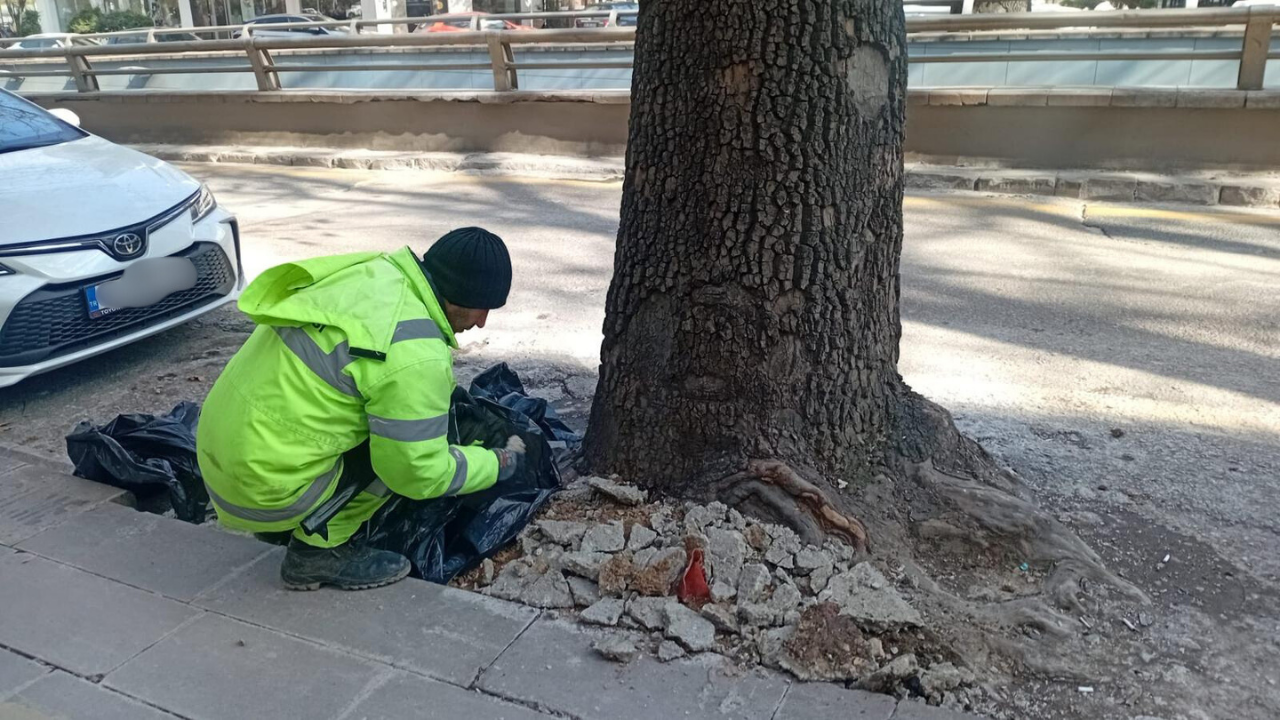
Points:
x=510 y=457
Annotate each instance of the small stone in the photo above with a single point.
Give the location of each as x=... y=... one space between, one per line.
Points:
x=785 y=599
x=616 y=574
x=737 y=521
x=617 y=649
x=1145 y=619
x=698 y=518
x=583 y=564
x=876 y=647
x=886 y=678
x=722 y=591
x=688 y=628
x=549 y=590
x=623 y=494
x=778 y=554
x=669 y=651
x=606 y=538
x=487 y=572
x=726 y=551
x=662 y=522
x=772 y=644
x=566 y=534
x=752 y=582
x=818 y=579
x=721 y=616
x=641 y=538
x=585 y=592
x=943 y=677
x=756 y=537
x=811 y=558
x=1117 y=433
x=512 y=580
x=757 y=614
x=604 y=612
x=649 y=612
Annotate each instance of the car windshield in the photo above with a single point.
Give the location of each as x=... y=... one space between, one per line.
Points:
x=24 y=126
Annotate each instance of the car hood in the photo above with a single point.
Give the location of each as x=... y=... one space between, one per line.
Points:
x=83 y=187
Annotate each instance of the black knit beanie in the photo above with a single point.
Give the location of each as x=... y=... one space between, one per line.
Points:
x=470 y=268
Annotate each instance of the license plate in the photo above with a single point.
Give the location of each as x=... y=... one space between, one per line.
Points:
x=146 y=282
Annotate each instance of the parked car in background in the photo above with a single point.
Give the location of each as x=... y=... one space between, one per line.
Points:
x=49 y=40
x=261 y=27
x=150 y=35
x=462 y=22
x=100 y=245
x=627 y=16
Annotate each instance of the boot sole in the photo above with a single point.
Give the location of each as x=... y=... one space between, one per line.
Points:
x=306 y=587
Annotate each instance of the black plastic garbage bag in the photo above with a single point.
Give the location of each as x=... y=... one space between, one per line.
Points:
x=444 y=537
x=502 y=385
x=146 y=455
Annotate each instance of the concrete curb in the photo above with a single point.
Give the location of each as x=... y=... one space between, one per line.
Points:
x=1257 y=191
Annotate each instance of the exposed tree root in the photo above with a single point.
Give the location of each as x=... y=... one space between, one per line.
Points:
x=799 y=503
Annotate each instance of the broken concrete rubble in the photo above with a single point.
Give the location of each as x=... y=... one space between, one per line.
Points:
x=768 y=592
x=864 y=594
x=615 y=648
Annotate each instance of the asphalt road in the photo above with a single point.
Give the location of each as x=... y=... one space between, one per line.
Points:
x=1124 y=360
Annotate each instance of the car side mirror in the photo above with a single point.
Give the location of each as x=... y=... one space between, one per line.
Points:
x=66 y=116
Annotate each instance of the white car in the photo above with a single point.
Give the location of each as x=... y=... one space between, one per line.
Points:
x=100 y=245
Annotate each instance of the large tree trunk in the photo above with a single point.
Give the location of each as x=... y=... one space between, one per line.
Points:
x=753 y=313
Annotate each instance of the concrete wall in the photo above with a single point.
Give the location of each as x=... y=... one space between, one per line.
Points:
x=1055 y=128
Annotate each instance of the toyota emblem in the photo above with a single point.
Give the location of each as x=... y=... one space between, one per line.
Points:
x=127 y=245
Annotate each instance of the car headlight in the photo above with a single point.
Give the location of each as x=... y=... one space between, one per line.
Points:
x=203 y=205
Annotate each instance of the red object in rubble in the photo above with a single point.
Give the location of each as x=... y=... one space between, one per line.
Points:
x=693 y=589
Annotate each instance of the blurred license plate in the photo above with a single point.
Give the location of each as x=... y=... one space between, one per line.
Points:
x=144 y=283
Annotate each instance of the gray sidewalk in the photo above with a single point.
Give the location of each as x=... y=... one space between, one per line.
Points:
x=113 y=614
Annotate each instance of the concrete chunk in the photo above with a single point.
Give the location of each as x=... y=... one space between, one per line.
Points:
x=690 y=629
x=641 y=538
x=567 y=534
x=618 y=492
x=605 y=612
x=865 y=595
x=606 y=538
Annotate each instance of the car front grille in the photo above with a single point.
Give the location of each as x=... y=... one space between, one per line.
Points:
x=55 y=319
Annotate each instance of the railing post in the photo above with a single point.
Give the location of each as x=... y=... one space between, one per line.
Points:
x=260 y=61
x=81 y=72
x=504 y=60
x=1257 y=43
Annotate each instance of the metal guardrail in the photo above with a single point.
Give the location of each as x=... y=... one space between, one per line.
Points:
x=1254 y=52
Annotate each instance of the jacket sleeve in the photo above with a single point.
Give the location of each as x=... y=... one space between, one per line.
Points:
x=408 y=414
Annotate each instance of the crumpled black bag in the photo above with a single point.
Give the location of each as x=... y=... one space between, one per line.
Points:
x=502 y=385
x=444 y=537
x=146 y=455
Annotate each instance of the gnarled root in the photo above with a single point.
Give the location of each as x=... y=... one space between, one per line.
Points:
x=774 y=488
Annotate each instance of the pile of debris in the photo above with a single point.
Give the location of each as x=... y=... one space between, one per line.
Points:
x=703 y=578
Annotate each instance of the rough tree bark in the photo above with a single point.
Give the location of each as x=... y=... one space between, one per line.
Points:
x=751 y=331
x=753 y=313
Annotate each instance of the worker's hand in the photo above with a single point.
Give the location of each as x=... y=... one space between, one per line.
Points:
x=510 y=457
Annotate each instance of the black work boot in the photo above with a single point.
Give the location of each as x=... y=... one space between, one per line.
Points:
x=346 y=567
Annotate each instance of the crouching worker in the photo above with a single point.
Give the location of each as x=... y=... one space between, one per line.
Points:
x=342 y=392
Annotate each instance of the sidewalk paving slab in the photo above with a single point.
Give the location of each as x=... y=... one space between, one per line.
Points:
x=412 y=696
x=827 y=701
x=155 y=553
x=16 y=671
x=221 y=669
x=552 y=665
x=78 y=621
x=60 y=695
x=437 y=631
x=34 y=498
